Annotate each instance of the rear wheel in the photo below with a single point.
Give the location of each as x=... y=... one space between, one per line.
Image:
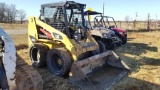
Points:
x=59 y=61
x=112 y=46
x=38 y=54
x=101 y=47
x=119 y=41
x=125 y=40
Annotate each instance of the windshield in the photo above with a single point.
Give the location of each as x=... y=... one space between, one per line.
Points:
x=109 y=21
x=74 y=17
x=94 y=20
x=53 y=14
x=98 y=21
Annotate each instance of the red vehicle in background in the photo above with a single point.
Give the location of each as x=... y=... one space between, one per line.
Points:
x=110 y=23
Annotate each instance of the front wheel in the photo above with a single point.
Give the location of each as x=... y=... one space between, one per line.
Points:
x=101 y=47
x=38 y=54
x=119 y=41
x=125 y=40
x=59 y=61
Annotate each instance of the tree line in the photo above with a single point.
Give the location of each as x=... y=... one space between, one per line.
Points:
x=10 y=14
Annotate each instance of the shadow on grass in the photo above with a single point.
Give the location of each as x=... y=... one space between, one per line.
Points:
x=52 y=82
x=135 y=65
x=130 y=39
x=21 y=46
x=136 y=48
x=136 y=84
x=131 y=52
x=26 y=76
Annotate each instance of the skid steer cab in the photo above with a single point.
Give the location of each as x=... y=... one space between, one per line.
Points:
x=60 y=39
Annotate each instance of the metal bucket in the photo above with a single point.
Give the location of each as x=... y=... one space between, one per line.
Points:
x=98 y=72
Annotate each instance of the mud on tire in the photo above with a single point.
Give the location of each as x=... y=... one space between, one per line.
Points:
x=125 y=40
x=59 y=61
x=101 y=47
x=120 y=41
x=37 y=53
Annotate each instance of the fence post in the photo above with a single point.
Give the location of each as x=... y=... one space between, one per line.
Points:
x=148 y=28
x=134 y=24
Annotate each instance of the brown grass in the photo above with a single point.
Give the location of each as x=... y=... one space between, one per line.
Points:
x=20 y=40
x=141 y=53
x=7 y=26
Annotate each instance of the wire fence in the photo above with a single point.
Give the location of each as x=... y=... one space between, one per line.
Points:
x=139 y=25
x=19 y=31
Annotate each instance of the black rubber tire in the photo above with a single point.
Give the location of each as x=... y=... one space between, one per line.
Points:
x=101 y=47
x=125 y=40
x=33 y=53
x=52 y=61
x=111 y=46
x=3 y=78
x=120 y=41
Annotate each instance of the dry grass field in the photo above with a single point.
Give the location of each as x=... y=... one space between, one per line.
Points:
x=7 y=26
x=141 y=53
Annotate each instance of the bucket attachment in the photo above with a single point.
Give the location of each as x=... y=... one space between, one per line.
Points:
x=98 y=72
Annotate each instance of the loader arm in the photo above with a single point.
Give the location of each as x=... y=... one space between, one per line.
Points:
x=57 y=35
x=70 y=44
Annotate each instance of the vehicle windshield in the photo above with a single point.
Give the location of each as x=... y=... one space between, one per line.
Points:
x=109 y=21
x=53 y=14
x=98 y=21
x=74 y=17
x=93 y=21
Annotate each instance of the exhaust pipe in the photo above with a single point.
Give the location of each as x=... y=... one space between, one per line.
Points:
x=98 y=72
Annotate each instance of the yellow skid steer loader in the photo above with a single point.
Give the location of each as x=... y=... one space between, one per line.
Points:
x=60 y=39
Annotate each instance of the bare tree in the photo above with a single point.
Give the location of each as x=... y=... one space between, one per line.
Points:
x=2 y=11
x=13 y=12
x=8 y=13
x=21 y=14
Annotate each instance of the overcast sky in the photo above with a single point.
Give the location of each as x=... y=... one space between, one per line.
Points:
x=119 y=9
